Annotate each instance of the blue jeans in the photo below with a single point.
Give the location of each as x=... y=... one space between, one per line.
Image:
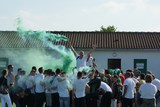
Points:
x=5 y=98
x=64 y=101
x=48 y=99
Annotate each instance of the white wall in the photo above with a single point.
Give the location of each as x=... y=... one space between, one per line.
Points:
x=127 y=59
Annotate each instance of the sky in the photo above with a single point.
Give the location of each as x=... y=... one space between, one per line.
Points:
x=81 y=15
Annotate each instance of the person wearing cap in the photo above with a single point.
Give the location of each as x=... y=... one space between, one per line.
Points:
x=106 y=92
x=120 y=74
x=120 y=81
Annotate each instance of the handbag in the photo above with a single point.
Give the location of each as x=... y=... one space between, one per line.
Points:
x=3 y=89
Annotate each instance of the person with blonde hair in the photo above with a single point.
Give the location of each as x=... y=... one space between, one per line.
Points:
x=83 y=60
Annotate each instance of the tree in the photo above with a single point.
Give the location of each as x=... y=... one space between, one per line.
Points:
x=108 y=29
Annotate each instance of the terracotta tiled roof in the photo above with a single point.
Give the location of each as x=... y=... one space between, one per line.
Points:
x=114 y=40
x=104 y=40
x=10 y=39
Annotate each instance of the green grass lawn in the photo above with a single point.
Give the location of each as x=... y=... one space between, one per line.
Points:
x=12 y=106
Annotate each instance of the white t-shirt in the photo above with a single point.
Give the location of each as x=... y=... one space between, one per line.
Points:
x=148 y=90
x=22 y=82
x=39 y=78
x=81 y=62
x=55 y=83
x=89 y=62
x=105 y=87
x=131 y=88
x=79 y=87
x=48 y=83
x=156 y=82
x=63 y=88
x=30 y=83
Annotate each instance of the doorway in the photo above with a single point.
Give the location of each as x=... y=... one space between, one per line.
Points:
x=114 y=63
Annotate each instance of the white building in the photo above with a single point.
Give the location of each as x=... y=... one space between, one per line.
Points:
x=125 y=50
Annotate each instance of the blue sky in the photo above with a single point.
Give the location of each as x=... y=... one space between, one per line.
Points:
x=81 y=15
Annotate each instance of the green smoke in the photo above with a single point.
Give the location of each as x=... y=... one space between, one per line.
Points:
x=40 y=35
x=65 y=60
x=67 y=57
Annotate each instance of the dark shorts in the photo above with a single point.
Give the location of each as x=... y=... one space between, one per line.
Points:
x=119 y=98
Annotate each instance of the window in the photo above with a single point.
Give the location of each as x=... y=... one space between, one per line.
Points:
x=141 y=64
x=3 y=63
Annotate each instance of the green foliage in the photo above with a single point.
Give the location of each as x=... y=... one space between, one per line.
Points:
x=108 y=29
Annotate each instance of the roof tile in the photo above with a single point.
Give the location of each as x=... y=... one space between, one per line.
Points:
x=104 y=40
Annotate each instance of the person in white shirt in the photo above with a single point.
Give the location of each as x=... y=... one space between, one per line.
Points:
x=89 y=61
x=11 y=81
x=48 y=91
x=30 y=85
x=156 y=82
x=106 y=92
x=63 y=90
x=55 y=95
x=135 y=102
x=81 y=58
x=79 y=87
x=21 y=83
x=148 y=92
x=128 y=90
x=39 y=88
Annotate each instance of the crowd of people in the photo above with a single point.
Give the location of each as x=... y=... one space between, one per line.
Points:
x=48 y=88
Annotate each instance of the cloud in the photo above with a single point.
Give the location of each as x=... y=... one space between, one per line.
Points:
x=113 y=6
